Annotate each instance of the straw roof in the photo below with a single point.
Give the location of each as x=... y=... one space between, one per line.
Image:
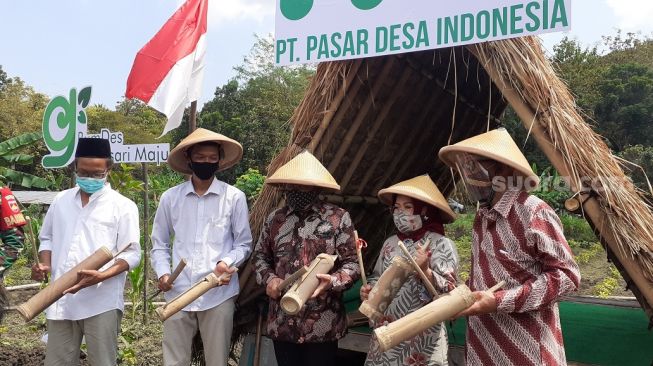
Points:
x=376 y=121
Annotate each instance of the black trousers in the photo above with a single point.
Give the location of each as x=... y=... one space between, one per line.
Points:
x=304 y=354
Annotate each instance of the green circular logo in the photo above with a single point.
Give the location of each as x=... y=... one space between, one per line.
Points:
x=296 y=9
x=366 y=4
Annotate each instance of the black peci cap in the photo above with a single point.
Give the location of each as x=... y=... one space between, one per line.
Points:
x=89 y=147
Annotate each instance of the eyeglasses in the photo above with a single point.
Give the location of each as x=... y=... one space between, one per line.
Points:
x=94 y=175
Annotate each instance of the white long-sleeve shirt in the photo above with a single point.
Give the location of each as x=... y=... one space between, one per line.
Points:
x=206 y=229
x=73 y=233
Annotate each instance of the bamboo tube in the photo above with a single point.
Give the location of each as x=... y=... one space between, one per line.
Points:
x=180 y=267
x=54 y=291
x=591 y=207
x=293 y=301
x=386 y=288
x=441 y=309
x=359 y=252
x=496 y=287
x=182 y=300
x=35 y=249
x=427 y=282
x=292 y=278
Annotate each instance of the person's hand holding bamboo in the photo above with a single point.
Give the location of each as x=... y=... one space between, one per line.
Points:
x=365 y=292
x=224 y=272
x=91 y=277
x=164 y=283
x=272 y=289
x=86 y=278
x=41 y=269
x=423 y=259
x=485 y=302
x=324 y=286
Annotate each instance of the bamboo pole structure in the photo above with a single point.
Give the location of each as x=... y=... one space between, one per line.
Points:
x=395 y=131
x=591 y=207
x=371 y=133
x=325 y=132
x=335 y=104
x=361 y=115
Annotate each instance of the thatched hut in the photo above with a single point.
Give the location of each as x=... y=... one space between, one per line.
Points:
x=377 y=121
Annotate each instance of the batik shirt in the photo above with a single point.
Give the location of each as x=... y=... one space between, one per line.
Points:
x=430 y=347
x=290 y=240
x=520 y=240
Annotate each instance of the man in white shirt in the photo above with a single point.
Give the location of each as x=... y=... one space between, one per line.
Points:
x=209 y=222
x=80 y=221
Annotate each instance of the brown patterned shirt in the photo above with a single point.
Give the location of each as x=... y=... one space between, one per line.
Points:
x=292 y=239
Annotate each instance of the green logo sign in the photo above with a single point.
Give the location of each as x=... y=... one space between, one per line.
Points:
x=64 y=121
x=366 y=4
x=297 y=9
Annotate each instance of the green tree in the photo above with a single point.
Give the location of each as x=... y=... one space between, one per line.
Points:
x=21 y=111
x=10 y=156
x=4 y=79
x=580 y=68
x=139 y=124
x=625 y=109
x=629 y=48
x=641 y=170
x=251 y=184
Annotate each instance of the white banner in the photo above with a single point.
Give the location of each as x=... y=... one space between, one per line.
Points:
x=141 y=153
x=329 y=30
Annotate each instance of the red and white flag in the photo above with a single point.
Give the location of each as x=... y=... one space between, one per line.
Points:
x=168 y=71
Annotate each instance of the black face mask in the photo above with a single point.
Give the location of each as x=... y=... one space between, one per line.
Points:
x=298 y=200
x=204 y=171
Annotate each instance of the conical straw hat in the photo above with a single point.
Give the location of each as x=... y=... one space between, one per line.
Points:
x=421 y=188
x=496 y=145
x=230 y=154
x=304 y=169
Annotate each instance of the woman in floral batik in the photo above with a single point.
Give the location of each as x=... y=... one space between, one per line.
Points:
x=419 y=211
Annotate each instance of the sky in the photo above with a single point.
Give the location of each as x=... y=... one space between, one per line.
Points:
x=56 y=45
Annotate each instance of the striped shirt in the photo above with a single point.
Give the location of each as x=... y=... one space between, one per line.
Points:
x=520 y=240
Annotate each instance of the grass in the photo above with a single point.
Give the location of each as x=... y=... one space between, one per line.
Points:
x=609 y=284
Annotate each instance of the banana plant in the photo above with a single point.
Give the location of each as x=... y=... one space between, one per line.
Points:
x=10 y=157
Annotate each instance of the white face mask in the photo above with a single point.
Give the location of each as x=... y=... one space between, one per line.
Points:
x=407 y=223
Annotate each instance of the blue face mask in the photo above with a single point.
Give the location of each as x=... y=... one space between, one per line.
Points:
x=90 y=185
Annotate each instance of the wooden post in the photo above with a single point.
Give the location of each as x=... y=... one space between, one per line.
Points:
x=192 y=120
x=146 y=236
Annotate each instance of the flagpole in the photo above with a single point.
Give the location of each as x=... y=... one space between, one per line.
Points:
x=192 y=121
